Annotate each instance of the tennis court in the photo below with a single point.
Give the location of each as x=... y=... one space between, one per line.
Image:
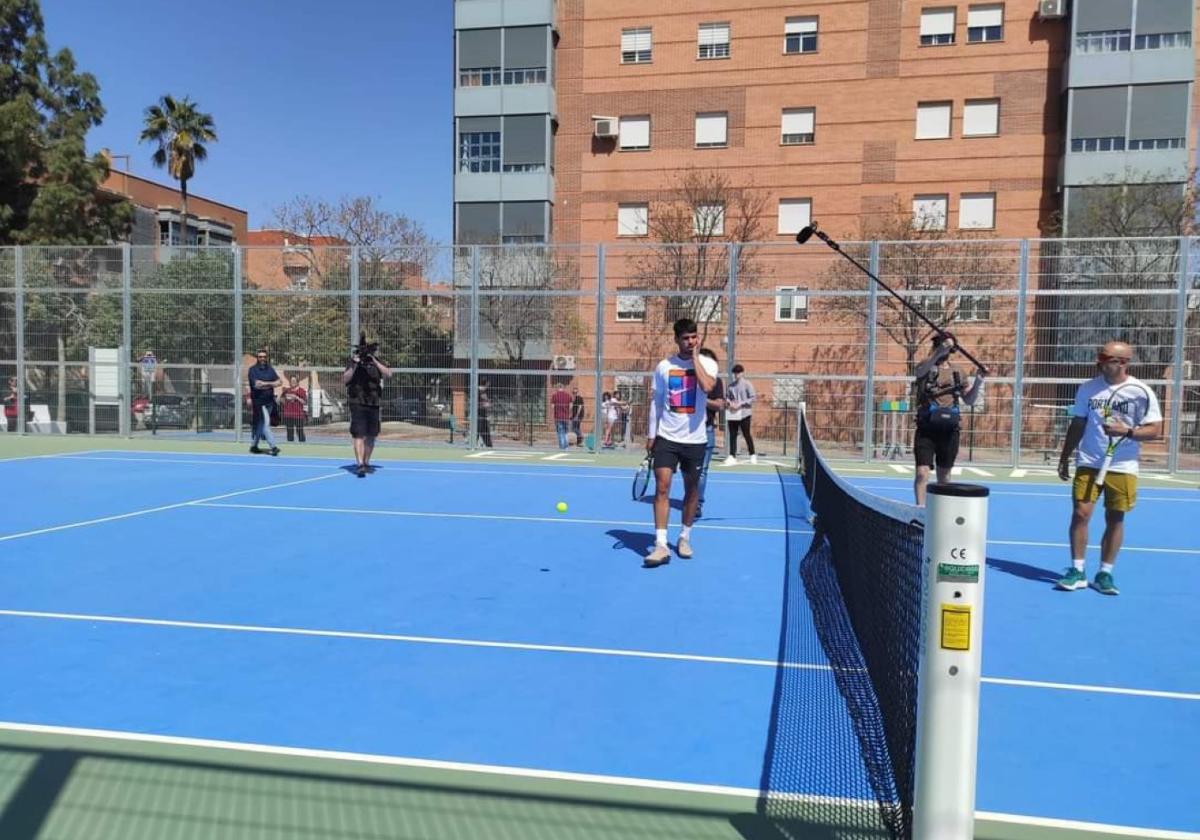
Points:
x=222 y=645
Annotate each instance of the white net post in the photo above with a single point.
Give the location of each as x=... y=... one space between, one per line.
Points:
x=948 y=696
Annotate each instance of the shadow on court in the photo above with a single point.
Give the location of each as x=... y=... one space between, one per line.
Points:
x=193 y=793
x=1023 y=570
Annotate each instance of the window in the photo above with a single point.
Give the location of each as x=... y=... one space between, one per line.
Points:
x=479 y=151
x=977 y=210
x=634 y=133
x=981 y=118
x=791 y=304
x=1099 y=144
x=1163 y=41
x=937 y=27
x=985 y=23
x=1147 y=144
x=798 y=126
x=479 y=77
x=711 y=130
x=633 y=220
x=794 y=213
x=526 y=76
x=800 y=35
x=709 y=220
x=1111 y=40
x=972 y=308
x=929 y=211
x=636 y=46
x=631 y=307
x=714 y=40
x=707 y=308
x=933 y=120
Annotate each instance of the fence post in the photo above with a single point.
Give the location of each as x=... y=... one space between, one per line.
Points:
x=872 y=329
x=238 y=352
x=473 y=375
x=354 y=255
x=1018 y=392
x=125 y=425
x=19 y=306
x=1177 y=400
x=601 y=279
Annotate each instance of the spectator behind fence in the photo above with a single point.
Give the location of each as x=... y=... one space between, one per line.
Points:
x=10 y=404
x=577 y=412
x=483 y=405
x=740 y=397
x=295 y=406
x=560 y=400
x=263 y=382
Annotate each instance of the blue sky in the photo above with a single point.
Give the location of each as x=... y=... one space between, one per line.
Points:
x=317 y=98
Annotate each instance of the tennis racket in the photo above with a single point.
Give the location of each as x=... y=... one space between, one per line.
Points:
x=1128 y=404
x=641 y=478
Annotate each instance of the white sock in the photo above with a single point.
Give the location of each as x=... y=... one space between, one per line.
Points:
x=685 y=533
x=1106 y=567
x=660 y=536
x=1079 y=563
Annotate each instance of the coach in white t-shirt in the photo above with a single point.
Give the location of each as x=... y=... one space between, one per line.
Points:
x=677 y=437
x=1112 y=407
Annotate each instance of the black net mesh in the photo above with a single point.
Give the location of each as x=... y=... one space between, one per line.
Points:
x=859 y=577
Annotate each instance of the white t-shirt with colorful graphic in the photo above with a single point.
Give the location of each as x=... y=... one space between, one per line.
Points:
x=1090 y=402
x=679 y=405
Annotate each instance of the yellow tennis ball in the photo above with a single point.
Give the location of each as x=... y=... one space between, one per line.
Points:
x=561 y=507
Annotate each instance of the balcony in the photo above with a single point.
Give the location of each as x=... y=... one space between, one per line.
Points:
x=504 y=186
x=1136 y=67
x=504 y=99
x=1085 y=168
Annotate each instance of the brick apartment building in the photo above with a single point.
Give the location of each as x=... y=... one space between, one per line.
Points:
x=574 y=119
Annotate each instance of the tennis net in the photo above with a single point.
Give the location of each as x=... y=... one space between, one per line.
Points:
x=861 y=579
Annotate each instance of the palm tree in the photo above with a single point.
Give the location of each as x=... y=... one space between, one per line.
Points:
x=180 y=132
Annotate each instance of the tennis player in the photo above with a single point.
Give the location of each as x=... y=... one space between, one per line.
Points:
x=677 y=437
x=1097 y=420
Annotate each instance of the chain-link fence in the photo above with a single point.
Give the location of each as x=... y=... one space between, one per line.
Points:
x=157 y=341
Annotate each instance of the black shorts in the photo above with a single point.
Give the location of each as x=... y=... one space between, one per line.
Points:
x=687 y=457
x=364 y=421
x=935 y=447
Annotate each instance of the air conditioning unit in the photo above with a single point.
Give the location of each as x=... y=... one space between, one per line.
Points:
x=564 y=363
x=1052 y=9
x=605 y=126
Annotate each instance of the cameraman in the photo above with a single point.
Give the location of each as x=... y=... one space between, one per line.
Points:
x=363 y=379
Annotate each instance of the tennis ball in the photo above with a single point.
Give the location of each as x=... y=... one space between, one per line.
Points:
x=561 y=507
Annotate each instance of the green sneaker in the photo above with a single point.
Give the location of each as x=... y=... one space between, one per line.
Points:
x=1104 y=584
x=1073 y=579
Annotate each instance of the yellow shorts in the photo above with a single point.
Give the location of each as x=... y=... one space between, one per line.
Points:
x=1120 y=489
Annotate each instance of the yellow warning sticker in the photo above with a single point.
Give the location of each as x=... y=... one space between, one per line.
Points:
x=956 y=627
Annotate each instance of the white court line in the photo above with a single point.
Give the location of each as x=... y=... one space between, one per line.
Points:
x=393 y=467
x=550 y=775
x=559 y=520
x=49 y=455
x=639 y=522
x=161 y=508
x=423 y=640
x=542 y=648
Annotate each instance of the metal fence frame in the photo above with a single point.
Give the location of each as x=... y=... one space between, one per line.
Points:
x=466 y=286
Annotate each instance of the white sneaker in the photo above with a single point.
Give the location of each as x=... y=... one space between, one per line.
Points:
x=753 y=459
x=731 y=461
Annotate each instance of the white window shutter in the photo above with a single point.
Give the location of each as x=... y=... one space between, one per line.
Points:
x=798 y=120
x=985 y=16
x=711 y=128
x=794 y=213
x=929 y=212
x=937 y=21
x=800 y=25
x=635 y=132
x=933 y=120
x=981 y=117
x=977 y=210
x=633 y=220
x=712 y=34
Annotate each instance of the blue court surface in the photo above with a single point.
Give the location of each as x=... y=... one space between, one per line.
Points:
x=445 y=611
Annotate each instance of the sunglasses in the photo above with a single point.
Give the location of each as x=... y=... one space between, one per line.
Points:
x=1117 y=359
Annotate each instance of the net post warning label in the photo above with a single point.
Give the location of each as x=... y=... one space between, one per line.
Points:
x=956 y=627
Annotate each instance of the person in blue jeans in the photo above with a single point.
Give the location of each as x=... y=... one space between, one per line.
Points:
x=263 y=382
x=560 y=402
x=713 y=408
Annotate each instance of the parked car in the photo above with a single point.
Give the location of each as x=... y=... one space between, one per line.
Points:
x=170 y=410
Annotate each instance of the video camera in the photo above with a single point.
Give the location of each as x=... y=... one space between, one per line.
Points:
x=365 y=350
